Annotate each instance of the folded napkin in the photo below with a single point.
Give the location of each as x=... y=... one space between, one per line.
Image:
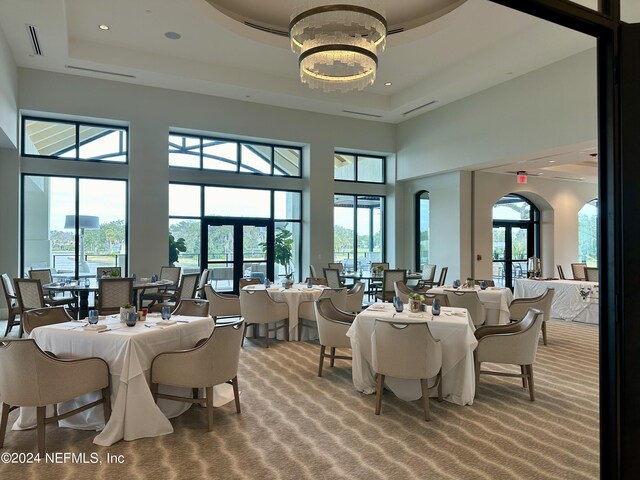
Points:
x=165 y=323
x=376 y=307
x=154 y=315
x=94 y=328
x=416 y=315
x=250 y=287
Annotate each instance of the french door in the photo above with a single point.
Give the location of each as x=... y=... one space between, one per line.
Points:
x=513 y=244
x=233 y=248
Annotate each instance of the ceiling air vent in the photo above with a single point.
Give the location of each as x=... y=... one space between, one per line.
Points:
x=93 y=70
x=33 y=39
x=421 y=106
x=527 y=173
x=571 y=179
x=362 y=113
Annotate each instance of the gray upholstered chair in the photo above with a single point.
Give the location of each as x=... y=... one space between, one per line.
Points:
x=30 y=295
x=57 y=381
x=42 y=274
x=171 y=274
x=428 y=272
x=470 y=301
x=316 y=281
x=13 y=305
x=211 y=362
x=516 y=343
x=222 y=305
x=336 y=266
x=430 y=297
x=389 y=278
x=560 y=272
x=114 y=293
x=490 y=283
x=333 y=277
x=186 y=290
x=332 y=331
x=520 y=306
x=405 y=350
x=591 y=274
x=307 y=312
x=402 y=291
x=204 y=279
x=355 y=297
x=193 y=307
x=249 y=281
x=114 y=272
x=39 y=317
x=578 y=271
x=423 y=286
x=312 y=271
x=258 y=308
x=45 y=277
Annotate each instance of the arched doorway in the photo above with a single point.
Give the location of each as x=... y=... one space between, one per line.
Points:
x=516 y=237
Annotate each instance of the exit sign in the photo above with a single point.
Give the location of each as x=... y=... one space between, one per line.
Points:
x=521 y=177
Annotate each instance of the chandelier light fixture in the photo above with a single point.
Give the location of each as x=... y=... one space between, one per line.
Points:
x=338 y=44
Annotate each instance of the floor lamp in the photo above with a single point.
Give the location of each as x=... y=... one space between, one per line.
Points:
x=89 y=222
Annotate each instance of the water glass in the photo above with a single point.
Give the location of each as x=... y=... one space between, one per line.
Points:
x=132 y=318
x=456 y=284
x=397 y=304
x=435 y=307
x=166 y=313
x=267 y=283
x=483 y=285
x=93 y=317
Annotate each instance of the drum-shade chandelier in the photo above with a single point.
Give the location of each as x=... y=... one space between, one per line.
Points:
x=338 y=44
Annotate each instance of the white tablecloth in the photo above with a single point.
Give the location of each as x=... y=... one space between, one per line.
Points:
x=568 y=303
x=458 y=343
x=293 y=297
x=496 y=301
x=129 y=352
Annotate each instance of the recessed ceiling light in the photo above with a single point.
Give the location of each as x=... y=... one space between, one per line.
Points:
x=552 y=161
x=102 y=26
x=173 y=35
x=388 y=84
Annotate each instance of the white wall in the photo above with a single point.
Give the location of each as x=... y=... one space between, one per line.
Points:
x=8 y=95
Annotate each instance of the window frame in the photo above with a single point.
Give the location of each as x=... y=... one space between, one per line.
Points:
x=356 y=156
x=418 y=198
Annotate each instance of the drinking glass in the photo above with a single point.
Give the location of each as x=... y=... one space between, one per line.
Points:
x=483 y=285
x=166 y=313
x=93 y=317
x=397 y=304
x=435 y=307
x=456 y=284
x=132 y=318
x=267 y=283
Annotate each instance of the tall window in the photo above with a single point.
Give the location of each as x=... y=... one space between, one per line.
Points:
x=205 y=153
x=588 y=233
x=73 y=140
x=358 y=233
x=422 y=229
x=358 y=168
x=73 y=225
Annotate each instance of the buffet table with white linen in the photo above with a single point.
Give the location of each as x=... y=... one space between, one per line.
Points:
x=573 y=300
x=293 y=297
x=496 y=302
x=452 y=328
x=129 y=352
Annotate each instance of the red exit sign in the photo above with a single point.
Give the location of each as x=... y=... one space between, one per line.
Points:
x=521 y=177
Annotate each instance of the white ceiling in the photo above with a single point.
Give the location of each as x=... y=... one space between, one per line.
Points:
x=476 y=46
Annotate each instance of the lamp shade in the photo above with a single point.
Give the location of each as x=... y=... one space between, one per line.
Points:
x=85 y=221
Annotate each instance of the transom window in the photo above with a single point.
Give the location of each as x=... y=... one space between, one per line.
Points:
x=422 y=229
x=358 y=168
x=588 y=233
x=68 y=140
x=205 y=153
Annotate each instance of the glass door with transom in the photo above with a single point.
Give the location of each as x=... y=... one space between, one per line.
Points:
x=236 y=248
x=512 y=246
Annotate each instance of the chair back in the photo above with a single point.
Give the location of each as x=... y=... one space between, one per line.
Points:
x=355 y=296
x=171 y=273
x=316 y=281
x=312 y=271
x=338 y=297
x=521 y=306
x=114 y=272
x=9 y=293
x=561 y=272
x=471 y=302
x=443 y=276
x=114 y=293
x=248 y=281
x=404 y=350
x=221 y=305
x=390 y=277
x=193 y=307
x=204 y=278
x=257 y=306
x=29 y=293
x=592 y=274
x=578 y=270
x=336 y=266
x=430 y=297
x=523 y=351
x=375 y=265
x=428 y=272
x=39 y=317
x=333 y=277
x=490 y=283
x=188 y=284
x=402 y=291
x=42 y=274
x=332 y=324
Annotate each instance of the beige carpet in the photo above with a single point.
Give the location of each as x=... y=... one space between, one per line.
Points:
x=295 y=425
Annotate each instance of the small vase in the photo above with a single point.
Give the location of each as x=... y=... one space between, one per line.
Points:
x=415 y=305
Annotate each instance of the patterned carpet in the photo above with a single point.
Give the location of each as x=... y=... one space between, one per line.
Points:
x=295 y=425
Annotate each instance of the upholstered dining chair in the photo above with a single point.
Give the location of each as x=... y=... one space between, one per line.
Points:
x=389 y=278
x=428 y=272
x=248 y=281
x=114 y=293
x=333 y=277
x=30 y=295
x=204 y=279
x=578 y=271
x=193 y=307
x=45 y=277
x=316 y=281
x=222 y=305
x=332 y=331
x=405 y=350
x=402 y=291
x=516 y=343
x=520 y=306
x=355 y=297
x=470 y=301
x=168 y=273
x=114 y=272
x=57 y=381
x=213 y=361
x=312 y=271
x=258 y=308
x=423 y=286
x=591 y=274
x=336 y=266
x=39 y=317
x=375 y=285
x=13 y=306
x=307 y=312
x=490 y=283
x=42 y=274
x=560 y=272
x=186 y=290
x=430 y=297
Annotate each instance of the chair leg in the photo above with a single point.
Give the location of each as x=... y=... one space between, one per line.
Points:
x=477 y=364
x=3 y=422
x=379 y=388
x=531 y=391
x=544 y=332
x=209 y=394
x=523 y=370
x=244 y=334
x=322 y=348
x=106 y=394
x=40 y=412
x=425 y=398
x=333 y=356
x=440 y=386
x=286 y=330
x=266 y=336
x=236 y=394
x=154 y=392
x=299 y=330
x=10 y=321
